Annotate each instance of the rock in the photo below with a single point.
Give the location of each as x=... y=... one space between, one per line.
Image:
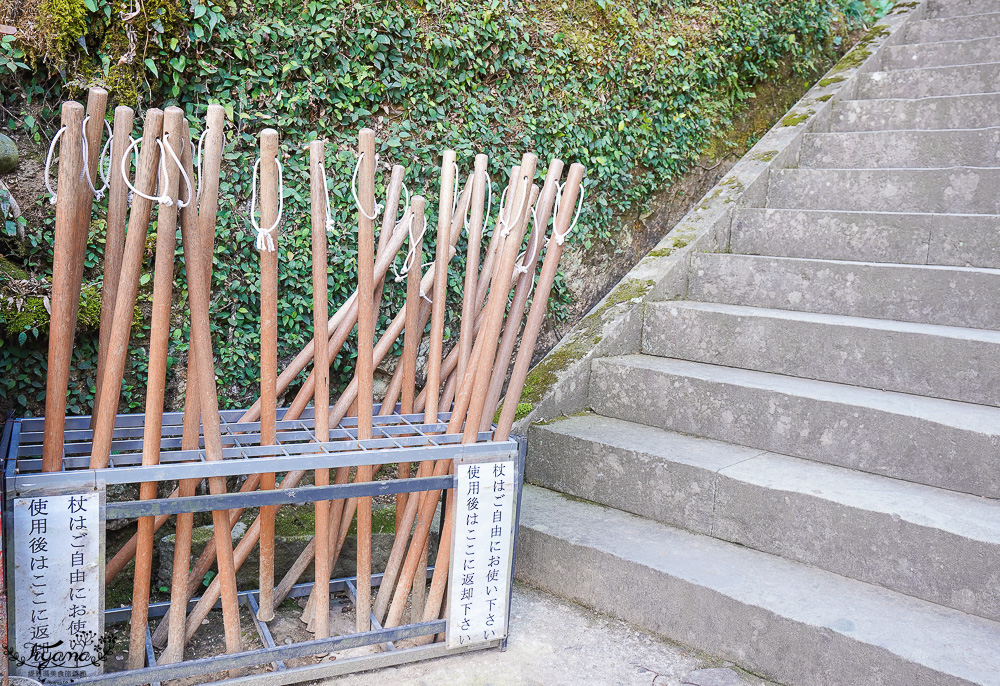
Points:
x=717 y=676
x=8 y=154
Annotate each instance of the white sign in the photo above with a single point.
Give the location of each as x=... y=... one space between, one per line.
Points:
x=58 y=584
x=482 y=546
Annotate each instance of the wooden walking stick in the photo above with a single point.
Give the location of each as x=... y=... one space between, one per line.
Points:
x=439 y=581
x=525 y=280
x=93 y=132
x=82 y=147
x=343 y=513
x=365 y=364
x=471 y=393
x=128 y=285
x=496 y=305
x=440 y=286
x=198 y=288
x=562 y=225
x=388 y=228
x=292 y=479
x=345 y=401
x=159 y=338
x=321 y=398
x=413 y=334
x=197 y=255
x=349 y=310
x=469 y=312
x=503 y=214
x=547 y=197
x=445 y=202
x=114 y=241
x=62 y=326
x=270 y=175
x=209 y=205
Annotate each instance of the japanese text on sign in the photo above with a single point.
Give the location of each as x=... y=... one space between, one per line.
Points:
x=59 y=623
x=482 y=543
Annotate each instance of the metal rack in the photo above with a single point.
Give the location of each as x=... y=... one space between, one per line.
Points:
x=396 y=438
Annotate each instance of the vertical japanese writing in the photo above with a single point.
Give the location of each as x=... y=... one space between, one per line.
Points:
x=58 y=619
x=480 y=574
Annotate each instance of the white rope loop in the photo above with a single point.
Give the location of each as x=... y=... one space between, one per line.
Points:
x=429 y=266
x=561 y=238
x=180 y=167
x=105 y=151
x=264 y=240
x=354 y=191
x=507 y=226
x=454 y=191
x=411 y=251
x=162 y=199
x=201 y=142
x=48 y=165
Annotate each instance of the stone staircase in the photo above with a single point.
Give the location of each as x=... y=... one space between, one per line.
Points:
x=798 y=469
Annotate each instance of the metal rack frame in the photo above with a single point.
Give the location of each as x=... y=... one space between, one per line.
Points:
x=396 y=438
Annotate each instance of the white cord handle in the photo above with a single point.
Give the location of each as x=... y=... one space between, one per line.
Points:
x=48 y=164
x=561 y=238
x=162 y=199
x=187 y=179
x=264 y=241
x=201 y=142
x=98 y=192
x=354 y=191
x=411 y=251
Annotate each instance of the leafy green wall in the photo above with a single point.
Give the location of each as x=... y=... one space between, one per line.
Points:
x=632 y=90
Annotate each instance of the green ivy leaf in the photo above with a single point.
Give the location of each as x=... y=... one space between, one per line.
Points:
x=152 y=67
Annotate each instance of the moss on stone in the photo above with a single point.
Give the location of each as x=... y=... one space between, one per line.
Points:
x=61 y=23
x=831 y=80
x=586 y=337
x=765 y=156
x=824 y=98
x=295 y=521
x=32 y=316
x=796 y=119
x=523 y=410
x=10 y=270
x=662 y=252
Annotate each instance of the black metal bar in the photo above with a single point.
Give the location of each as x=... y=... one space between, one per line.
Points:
x=262 y=630
x=522 y=452
x=279 y=496
x=251 y=658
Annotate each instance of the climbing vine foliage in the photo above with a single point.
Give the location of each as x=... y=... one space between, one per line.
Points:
x=633 y=90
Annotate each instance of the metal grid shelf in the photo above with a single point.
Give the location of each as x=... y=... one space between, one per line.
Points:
x=396 y=438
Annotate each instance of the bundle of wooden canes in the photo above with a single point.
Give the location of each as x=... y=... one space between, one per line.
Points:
x=468 y=382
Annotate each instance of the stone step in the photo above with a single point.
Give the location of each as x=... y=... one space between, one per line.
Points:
x=962 y=240
x=784 y=620
x=922 y=359
x=924 y=542
x=940 y=9
x=949 y=296
x=944 y=53
x=962 y=190
x=930 y=82
x=901 y=149
x=945 y=112
x=980 y=25
x=936 y=442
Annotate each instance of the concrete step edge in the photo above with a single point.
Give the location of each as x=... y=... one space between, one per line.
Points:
x=957 y=333
x=951 y=413
x=785 y=620
x=958 y=513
